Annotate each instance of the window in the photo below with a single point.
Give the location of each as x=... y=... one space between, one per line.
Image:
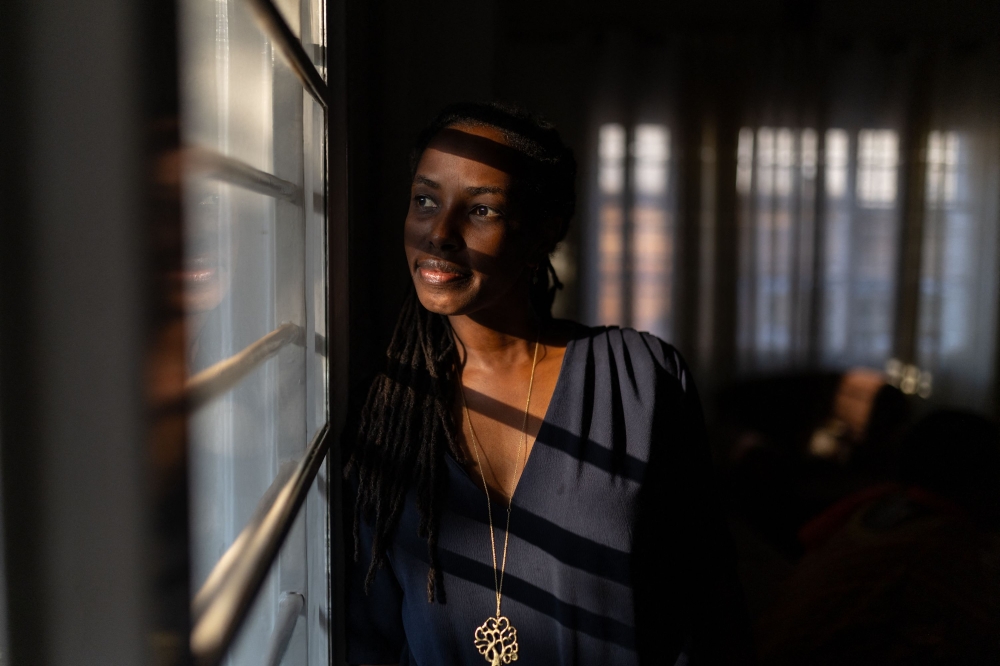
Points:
x=775 y=180
x=652 y=231
x=611 y=222
x=956 y=326
x=783 y=287
x=860 y=247
x=948 y=270
x=253 y=128
x=635 y=228
x=878 y=157
x=805 y=232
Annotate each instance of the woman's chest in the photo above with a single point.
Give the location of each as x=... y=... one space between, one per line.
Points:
x=568 y=539
x=566 y=576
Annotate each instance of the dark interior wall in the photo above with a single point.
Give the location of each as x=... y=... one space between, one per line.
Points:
x=406 y=60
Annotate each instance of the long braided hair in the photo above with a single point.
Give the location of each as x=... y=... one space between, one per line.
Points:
x=406 y=425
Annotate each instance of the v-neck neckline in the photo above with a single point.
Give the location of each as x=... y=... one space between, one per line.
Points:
x=541 y=428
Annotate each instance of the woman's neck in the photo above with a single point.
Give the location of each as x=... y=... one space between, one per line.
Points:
x=502 y=335
x=484 y=344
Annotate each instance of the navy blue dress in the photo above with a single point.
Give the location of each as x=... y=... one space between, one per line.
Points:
x=617 y=551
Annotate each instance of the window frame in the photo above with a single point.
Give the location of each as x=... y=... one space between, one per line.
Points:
x=224 y=602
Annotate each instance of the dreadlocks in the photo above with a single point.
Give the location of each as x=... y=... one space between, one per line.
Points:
x=406 y=425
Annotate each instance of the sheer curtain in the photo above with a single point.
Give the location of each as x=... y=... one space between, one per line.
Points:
x=776 y=184
x=635 y=265
x=866 y=189
x=631 y=235
x=959 y=277
x=845 y=270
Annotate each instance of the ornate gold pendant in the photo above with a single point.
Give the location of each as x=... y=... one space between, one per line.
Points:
x=496 y=640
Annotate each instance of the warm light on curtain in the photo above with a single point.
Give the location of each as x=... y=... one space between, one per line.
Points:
x=869 y=239
x=635 y=237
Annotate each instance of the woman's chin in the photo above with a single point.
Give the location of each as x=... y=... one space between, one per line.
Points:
x=445 y=299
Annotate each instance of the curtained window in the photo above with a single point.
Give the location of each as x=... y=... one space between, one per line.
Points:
x=864 y=225
x=958 y=273
x=776 y=179
x=635 y=227
x=776 y=183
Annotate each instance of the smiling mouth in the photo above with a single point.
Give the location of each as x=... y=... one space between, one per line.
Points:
x=438 y=271
x=199 y=269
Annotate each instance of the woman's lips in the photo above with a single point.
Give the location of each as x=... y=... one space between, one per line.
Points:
x=199 y=268
x=435 y=271
x=199 y=275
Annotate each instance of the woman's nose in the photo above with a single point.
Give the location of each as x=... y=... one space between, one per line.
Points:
x=446 y=233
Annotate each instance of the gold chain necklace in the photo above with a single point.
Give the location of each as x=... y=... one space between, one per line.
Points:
x=496 y=639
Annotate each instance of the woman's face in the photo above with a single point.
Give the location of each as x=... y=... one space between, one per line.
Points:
x=464 y=245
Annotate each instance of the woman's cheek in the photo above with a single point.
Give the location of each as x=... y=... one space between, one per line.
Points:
x=412 y=235
x=494 y=243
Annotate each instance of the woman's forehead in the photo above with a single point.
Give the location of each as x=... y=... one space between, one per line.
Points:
x=468 y=147
x=438 y=169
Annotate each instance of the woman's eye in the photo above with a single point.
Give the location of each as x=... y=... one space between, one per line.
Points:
x=484 y=211
x=424 y=201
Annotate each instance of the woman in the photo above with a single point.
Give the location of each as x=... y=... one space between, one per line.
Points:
x=527 y=489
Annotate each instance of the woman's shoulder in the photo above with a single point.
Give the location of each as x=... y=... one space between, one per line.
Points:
x=627 y=348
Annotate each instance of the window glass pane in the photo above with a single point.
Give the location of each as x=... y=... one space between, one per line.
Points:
x=244 y=270
x=292 y=597
x=228 y=76
x=307 y=21
x=254 y=293
x=291 y=11
x=314 y=34
x=315 y=262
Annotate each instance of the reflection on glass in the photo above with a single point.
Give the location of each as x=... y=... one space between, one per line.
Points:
x=255 y=262
x=273 y=635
